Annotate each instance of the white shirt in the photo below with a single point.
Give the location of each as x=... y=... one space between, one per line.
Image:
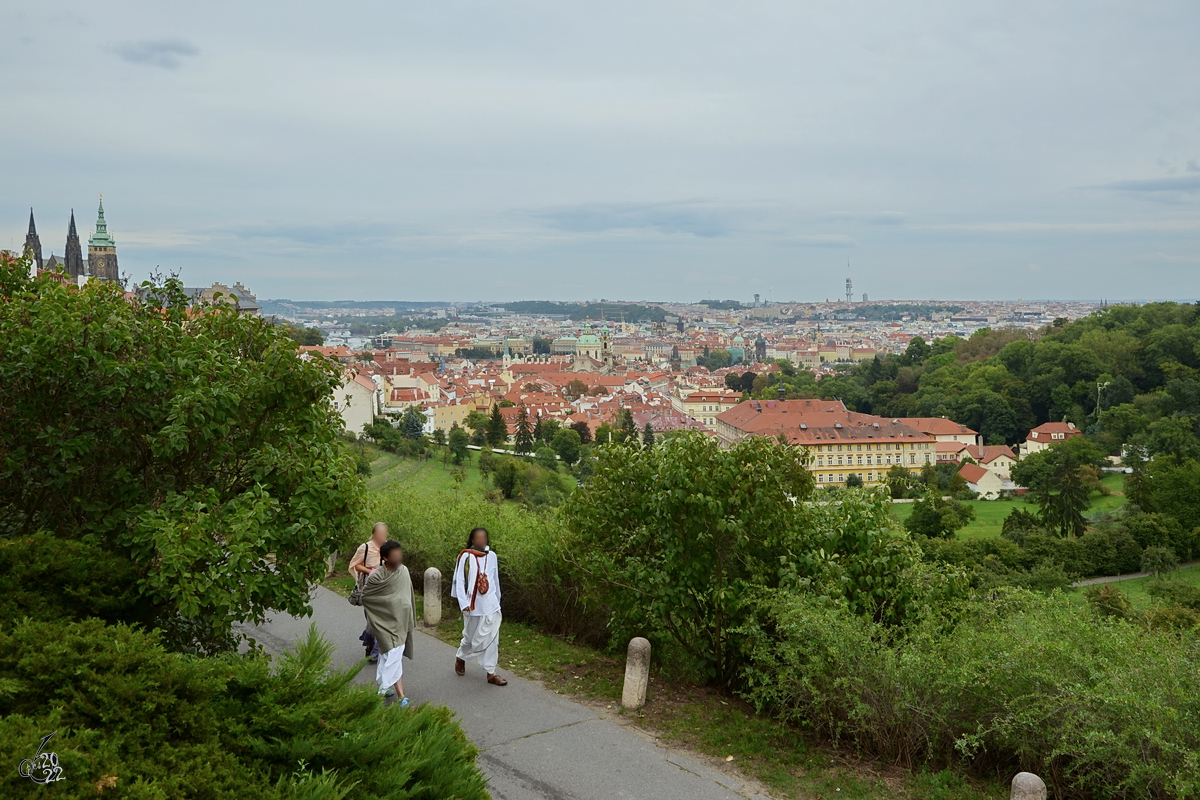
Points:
x=463 y=584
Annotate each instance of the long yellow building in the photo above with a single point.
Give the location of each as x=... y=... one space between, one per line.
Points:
x=841 y=442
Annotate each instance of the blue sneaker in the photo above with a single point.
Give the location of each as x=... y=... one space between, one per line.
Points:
x=391 y=692
x=403 y=702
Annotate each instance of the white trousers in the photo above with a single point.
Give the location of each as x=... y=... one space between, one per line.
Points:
x=390 y=668
x=481 y=639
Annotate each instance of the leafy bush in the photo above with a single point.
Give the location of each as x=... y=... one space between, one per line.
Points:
x=1020 y=681
x=149 y=723
x=935 y=516
x=1107 y=600
x=676 y=538
x=194 y=443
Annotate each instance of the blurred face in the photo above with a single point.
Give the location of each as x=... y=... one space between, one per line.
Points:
x=395 y=557
x=479 y=540
x=379 y=534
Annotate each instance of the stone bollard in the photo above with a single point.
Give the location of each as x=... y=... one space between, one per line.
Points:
x=331 y=564
x=1027 y=786
x=637 y=673
x=433 y=596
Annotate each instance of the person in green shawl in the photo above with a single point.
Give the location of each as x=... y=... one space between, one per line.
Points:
x=387 y=598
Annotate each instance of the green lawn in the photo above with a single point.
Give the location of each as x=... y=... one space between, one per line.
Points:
x=990 y=514
x=427 y=475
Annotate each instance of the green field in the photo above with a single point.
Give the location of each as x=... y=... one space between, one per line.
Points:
x=425 y=475
x=990 y=514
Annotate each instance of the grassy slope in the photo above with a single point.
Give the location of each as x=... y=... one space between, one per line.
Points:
x=990 y=514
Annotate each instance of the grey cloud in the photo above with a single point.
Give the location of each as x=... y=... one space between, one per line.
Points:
x=820 y=240
x=694 y=218
x=871 y=217
x=1187 y=184
x=331 y=234
x=1193 y=166
x=162 y=53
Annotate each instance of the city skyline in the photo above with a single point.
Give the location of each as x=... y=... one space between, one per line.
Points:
x=464 y=152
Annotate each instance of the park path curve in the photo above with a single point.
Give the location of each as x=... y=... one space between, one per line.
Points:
x=533 y=744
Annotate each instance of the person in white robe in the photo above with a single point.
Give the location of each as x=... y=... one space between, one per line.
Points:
x=389 y=601
x=476 y=587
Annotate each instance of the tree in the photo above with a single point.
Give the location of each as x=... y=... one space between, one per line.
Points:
x=746 y=384
x=648 y=436
x=733 y=382
x=566 y=444
x=676 y=544
x=938 y=518
x=853 y=481
x=1157 y=560
x=628 y=431
x=523 y=441
x=203 y=451
x=898 y=481
x=497 y=428
x=458 y=444
x=439 y=436
x=1064 y=498
x=583 y=429
x=413 y=423
x=546 y=458
x=539 y=434
x=487 y=463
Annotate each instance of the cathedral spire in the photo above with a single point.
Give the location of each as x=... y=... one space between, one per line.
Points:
x=101 y=237
x=32 y=243
x=73 y=260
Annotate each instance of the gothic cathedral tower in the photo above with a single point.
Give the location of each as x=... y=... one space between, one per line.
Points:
x=102 y=250
x=32 y=243
x=74 y=255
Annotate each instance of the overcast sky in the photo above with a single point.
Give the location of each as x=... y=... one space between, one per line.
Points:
x=636 y=150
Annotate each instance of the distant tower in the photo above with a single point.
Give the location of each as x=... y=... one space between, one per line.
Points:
x=849 y=285
x=864 y=297
x=782 y=388
x=756 y=296
x=606 y=353
x=32 y=243
x=102 y=250
x=73 y=260
x=760 y=349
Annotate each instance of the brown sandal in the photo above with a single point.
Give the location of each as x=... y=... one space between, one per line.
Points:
x=496 y=680
x=460 y=667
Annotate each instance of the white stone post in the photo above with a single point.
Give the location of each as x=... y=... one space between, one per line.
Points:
x=1027 y=786
x=331 y=564
x=433 y=596
x=637 y=673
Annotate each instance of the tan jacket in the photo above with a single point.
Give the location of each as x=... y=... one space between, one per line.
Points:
x=366 y=554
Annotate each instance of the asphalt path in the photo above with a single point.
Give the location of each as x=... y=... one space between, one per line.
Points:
x=533 y=744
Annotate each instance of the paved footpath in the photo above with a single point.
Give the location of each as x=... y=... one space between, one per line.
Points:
x=533 y=743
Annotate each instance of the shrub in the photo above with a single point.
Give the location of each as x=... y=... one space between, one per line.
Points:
x=1157 y=560
x=934 y=516
x=198 y=446
x=1107 y=600
x=676 y=538
x=1098 y=709
x=1174 y=592
x=169 y=725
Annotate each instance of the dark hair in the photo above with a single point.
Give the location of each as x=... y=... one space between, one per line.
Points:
x=471 y=537
x=387 y=547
